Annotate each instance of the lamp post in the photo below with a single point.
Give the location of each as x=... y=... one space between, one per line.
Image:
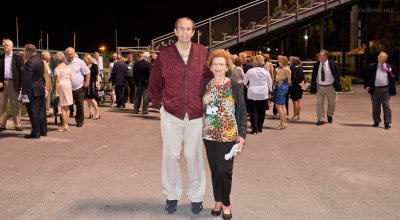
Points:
x=198 y=36
x=137 y=39
x=102 y=49
x=305 y=43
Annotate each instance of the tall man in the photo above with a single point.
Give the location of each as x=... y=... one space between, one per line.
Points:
x=79 y=71
x=33 y=86
x=118 y=80
x=325 y=82
x=141 y=72
x=11 y=68
x=47 y=78
x=176 y=83
x=380 y=83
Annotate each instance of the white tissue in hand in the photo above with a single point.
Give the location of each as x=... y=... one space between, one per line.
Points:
x=234 y=151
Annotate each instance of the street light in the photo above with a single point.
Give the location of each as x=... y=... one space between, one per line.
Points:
x=102 y=48
x=137 y=39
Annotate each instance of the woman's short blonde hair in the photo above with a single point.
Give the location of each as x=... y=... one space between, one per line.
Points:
x=283 y=60
x=219 y=53
x=89 y=57
x=257 y=61
x=59 y=57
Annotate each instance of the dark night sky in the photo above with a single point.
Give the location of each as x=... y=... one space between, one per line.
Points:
x=95 y=25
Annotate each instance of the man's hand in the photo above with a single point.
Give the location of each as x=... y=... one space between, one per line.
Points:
x=1 y=85
x=367 y=88
x=86 y=85
x=241 y=141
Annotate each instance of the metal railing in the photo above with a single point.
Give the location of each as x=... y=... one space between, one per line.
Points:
x=39 y=51
x=251 y=20
x=307 y=65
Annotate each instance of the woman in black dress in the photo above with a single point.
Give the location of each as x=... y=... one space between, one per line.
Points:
x=94 y=86
x=296 y=92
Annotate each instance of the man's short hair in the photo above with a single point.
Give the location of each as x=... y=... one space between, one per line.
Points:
x=44 y=53
x=243 y=54
x=70 y=48
x=177 y=20
x=146 y=55
x=325 y=52
x=30 y=49
x=8 y=40
x=384 y=53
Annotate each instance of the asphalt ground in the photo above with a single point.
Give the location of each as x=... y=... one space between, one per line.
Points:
x=110 y=168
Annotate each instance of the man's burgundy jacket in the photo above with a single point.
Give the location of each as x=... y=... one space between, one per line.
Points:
x=176 y=86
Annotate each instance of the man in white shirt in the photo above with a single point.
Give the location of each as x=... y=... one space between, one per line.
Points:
x=380 y=83
x=47 y=78
x=79 y=71
x=11 y=68
x=325 y=82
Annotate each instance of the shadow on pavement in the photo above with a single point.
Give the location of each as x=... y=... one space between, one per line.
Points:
x=356 y=125
x=302 y=122
x=114 y=208
x=12 y=135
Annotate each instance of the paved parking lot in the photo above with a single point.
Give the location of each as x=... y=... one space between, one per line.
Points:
x=110 y=169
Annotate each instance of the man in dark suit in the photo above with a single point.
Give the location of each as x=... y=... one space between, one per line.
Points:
x=11 y=68
x=117 y=78
x=141 y=75
x=380 y=83
x=325 y=82
x=33 y=87
x=129 y=89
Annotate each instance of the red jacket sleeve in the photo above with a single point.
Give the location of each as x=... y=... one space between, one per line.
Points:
x=155 y=83
x=207 y=71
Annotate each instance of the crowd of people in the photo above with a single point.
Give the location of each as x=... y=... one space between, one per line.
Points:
x=130 y=78
x=28 y=79
x=203 y=99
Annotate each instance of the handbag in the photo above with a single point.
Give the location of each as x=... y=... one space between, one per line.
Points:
x=272 y=95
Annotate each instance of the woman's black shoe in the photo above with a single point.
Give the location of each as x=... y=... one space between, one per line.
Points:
x=215 y=213
x=227 y=216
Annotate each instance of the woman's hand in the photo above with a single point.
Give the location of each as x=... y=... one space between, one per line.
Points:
x=1 y=85
x=241 y=141
x=301 y=84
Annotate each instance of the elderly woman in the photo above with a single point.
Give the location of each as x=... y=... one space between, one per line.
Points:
x=296 y=93
x=224 y=125
x=260 y=85
x=63 y=88
x=237 y=71
x=94 y=87
x=282 y=82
